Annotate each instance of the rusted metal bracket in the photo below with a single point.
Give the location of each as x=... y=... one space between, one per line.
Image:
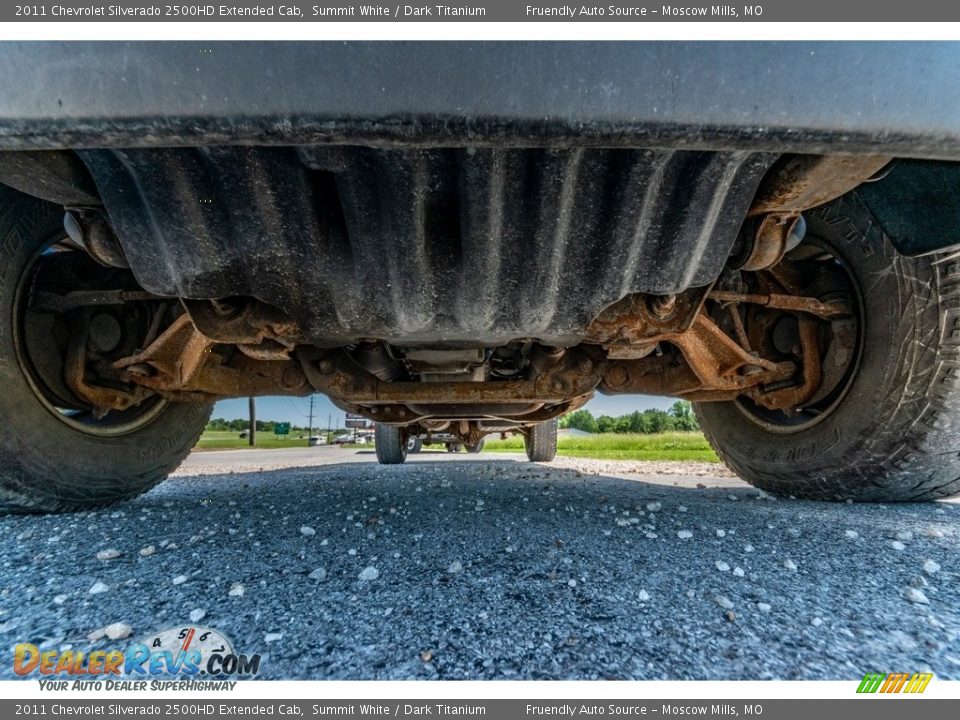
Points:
x=100 y=397
x=713 y=367
x=800 y=182
x=790 y=303
x=335 y=374
x=181 y=364
x=795 y=396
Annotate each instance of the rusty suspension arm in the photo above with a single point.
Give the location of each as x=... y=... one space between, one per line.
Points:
x=622 y=354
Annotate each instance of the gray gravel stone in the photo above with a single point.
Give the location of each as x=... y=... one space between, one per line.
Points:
x=369 y=573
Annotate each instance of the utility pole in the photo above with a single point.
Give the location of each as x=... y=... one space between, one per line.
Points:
x=310 y=429
x=253 y=421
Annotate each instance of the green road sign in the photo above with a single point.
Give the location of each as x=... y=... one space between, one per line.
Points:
x=281 y=429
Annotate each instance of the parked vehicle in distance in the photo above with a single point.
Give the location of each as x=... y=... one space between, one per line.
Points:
x=770 y=230
x=450 y=441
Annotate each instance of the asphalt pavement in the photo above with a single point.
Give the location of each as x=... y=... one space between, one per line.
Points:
x=472 y=567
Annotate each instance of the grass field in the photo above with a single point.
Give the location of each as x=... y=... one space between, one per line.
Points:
x=606 y=446
x=613 y=446
x=229 y=439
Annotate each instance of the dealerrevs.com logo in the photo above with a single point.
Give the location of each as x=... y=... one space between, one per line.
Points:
x=184 y=651
x=889 y=683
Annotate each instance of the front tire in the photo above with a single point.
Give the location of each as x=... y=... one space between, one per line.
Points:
x=476 y=447
x=52 y=460
x=895 y=433
x=541 y=442
x=390 y=445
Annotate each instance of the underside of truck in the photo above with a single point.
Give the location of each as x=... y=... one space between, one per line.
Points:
x=480 y=254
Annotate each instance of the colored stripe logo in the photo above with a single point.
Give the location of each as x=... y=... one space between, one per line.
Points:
x=894 y=682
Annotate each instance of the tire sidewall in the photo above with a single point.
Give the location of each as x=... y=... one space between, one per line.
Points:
x=893 y=292
x=44 y=458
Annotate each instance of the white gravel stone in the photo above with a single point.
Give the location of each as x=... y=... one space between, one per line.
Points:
x=60 y=599
x=738 y=571
x=307 y=531
x=147 y=551
x=179 y=579
x=197 y=615
x=98 y=587
x=455 y=567
x=721 y=533
x=764 y=607
x=236 y=590
x=681 y=508
x=272 y=637
x=722 y=566
x=931 y=567
x=684 y=534
x=851 y=534
x=118 y=631
x=571 y=582
x=904 y=535
x=369 y=573
x=817 y=622
x=724 y=602
x=654 y=506
x=643 y=596
x=748 y=548
x=789 y=564
x=915 y=595
x=108 y=554
x=318 y=574
x=897 y=545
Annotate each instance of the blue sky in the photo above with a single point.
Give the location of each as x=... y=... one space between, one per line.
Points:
x=295 y=410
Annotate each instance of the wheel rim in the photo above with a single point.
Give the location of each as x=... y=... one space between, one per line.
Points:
x=74 y=415
x=825 y=400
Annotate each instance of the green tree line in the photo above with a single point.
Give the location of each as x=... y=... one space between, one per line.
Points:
x=679 y=417
x=237 y=424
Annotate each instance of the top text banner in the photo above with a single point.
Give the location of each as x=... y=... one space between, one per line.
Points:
x=487 y=11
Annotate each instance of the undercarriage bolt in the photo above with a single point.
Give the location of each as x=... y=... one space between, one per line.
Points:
x=325 y=366
x=663 y=305
x=617 y=377
x=292 y=377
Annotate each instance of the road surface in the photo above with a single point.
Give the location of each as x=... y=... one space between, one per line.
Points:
x=469 y=567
